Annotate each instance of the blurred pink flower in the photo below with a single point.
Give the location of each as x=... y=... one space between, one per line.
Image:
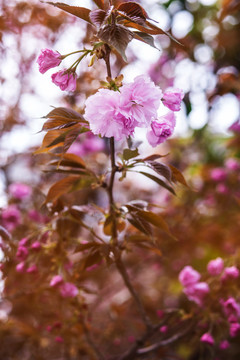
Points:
x=163 y=329
x=235 y=127
x=224 y=344
x=20 y=191
x=218 y=174
x=234 y=329
x=68 y=290
x=207 y=338
x=11 y=217
x=36 y=245
x=230 y=307
x=197 y=292
x=140 y=100
x=222 y=189
x=161 y=129
x=23 y=242
x=215 y=267
x=172 y=99
x=232 y=164
x=56 y=280
x=59 y=339
x=32 y=269
x=230 y=273
x=22 y=253
x=20 y=267
x=48 y=59
x=65 y=80
x=188 y=276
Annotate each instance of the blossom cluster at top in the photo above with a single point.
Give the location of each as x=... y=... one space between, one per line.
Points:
x=117 y=113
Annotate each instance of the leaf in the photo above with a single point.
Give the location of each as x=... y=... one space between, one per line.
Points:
x=177 y=176
x=116 y=36
x=91 y=259
x=156 y=28
x=133 y=11
x=130 y=154
x=72 y=135
x=140 y=224
x=73 y=160
x=108 y=226
x=48 y=139
x=99 y=3
x=146 y=38
x=153 y=157
x=161 y=169
x=78 y=11
x=158 y=181
x=97 y=17
x=63 y=112
x=139 y=204
x=61 y=187
x=154 y=219
x=57 y=124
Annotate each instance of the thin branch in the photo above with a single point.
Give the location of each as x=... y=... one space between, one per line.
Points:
x=122 y=270
x=98 y=353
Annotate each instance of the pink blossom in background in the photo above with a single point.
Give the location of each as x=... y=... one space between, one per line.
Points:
x=235 y=127
x=197 y=292
x=232 y=164
x=11 y=217
x=230 y=307
x=59 y=339
x=230 y=273
x=172 y=99
x=222 y=189
x=218 y=174
x=188 y=276
x=161 y=129
x=20 y=267
x=162 y=72
x=234 y=329
x=163 y=329
x=215 y=267
x=36 y=245
x=104 y=117
x=48 y=59
x=68 y=290
x=224 y=344
x=32 y=269
x=23 y=242
x=22 y=253
x=19 y=191
x=65 y=80
x=207 y=338
x=56 y=280
x=140 y=100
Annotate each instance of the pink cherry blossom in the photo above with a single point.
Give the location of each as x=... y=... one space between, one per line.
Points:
x=104 y=117
x=207 y=338
x=11 y=217
x=65 y=80
x=59 y=339
x=23 y=242
x=36 y=245
x=232 y=164
x=48 y=59
x=224 y=344
x=161 y=129
x=22 y=253
x=215 y=267
x=172 y=99
x=68 y=290
x=222 y=189
x=197 y=292
x=32 y=269
x=19 y=191
x=140 y=100
x=56 y=280
x=235 y=127
x=230 y=273
x=234 y=329
x=20 y=267
x=218 y=174
x=188 y=276
x=230 y=307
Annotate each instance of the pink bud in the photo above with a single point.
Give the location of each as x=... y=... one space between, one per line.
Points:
x=68 y=290
x=188 y=276
x=65 y=80
x=36 y=245
x=23 y=242
x=20 y=267
x=20 y=191
x=207 y=338
x=32 y=269
x=22 y=253
x=197 y=292
x=48 y=59
x=230 y=273
x=56 y=280
x=224 y=345
x=160 y=314
x=59 y=339
x=163 y=329
x=234 y=329
x=172 y=99
x=215 y=267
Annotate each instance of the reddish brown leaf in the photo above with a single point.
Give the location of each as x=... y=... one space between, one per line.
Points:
x=177 y=176
x=154 y=219
x=78 y=11
x=61 y=187
x=97 y=17
x=161 y=169
x=133 y=11
x=159 y=182
x=99 y=3
x=146 y=38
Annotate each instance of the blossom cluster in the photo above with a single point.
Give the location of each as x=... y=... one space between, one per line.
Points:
x=226 y=176
x=117 y=113
x=196 y=291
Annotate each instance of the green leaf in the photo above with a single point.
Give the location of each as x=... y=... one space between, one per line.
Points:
x=81 y=12
x=158 y=181
x=130 y=154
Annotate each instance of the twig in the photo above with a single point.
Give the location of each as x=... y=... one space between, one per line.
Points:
x=98 y=353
